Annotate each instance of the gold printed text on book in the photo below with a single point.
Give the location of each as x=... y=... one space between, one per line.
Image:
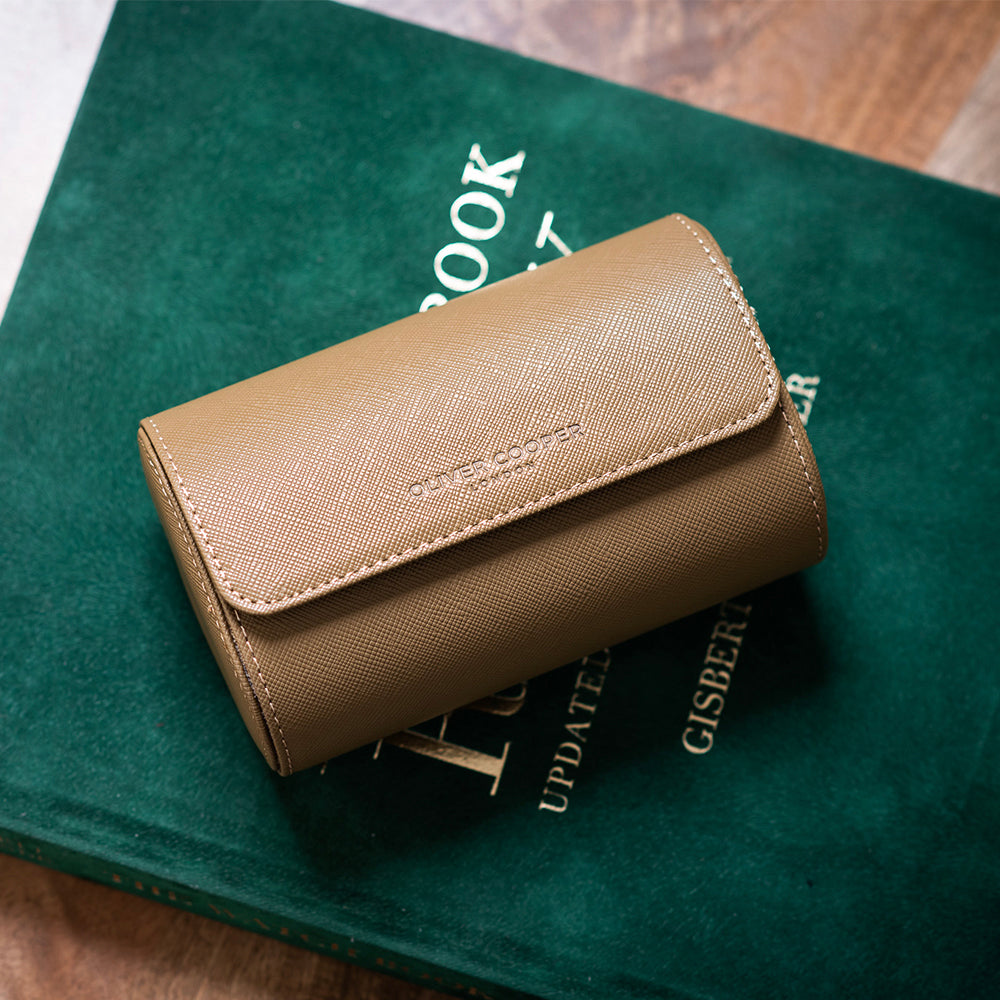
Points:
x=709 y=697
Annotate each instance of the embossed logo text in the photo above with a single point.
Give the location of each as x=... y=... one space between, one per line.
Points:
x=480 y=473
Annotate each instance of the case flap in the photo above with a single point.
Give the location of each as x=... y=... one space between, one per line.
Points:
x=452 y=422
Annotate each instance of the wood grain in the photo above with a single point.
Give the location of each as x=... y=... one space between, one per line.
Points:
x=969 y=151
x=885 y=79
x=913 y=83
x=74 y=940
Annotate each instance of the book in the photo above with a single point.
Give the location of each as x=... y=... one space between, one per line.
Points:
x=795 y=793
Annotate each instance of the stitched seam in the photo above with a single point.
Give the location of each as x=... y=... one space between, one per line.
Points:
x=194 y=511
x=263 y=605
x=211 y=606
x=791 y=430
x=281 y=733
x=741 y=305
x=187 y=544
x=200 y=574
x=805 y=470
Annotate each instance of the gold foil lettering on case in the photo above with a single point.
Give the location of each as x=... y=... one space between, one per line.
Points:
x=482 y=473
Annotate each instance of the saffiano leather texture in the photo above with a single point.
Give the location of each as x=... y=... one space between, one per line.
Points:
x=410 y=520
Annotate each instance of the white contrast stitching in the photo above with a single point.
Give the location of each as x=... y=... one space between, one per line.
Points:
x=263 y=605
x=194 y=510
x=791 y=430
x=185 y=534
x=805 y=469
x=281 y=733
x=740 y=303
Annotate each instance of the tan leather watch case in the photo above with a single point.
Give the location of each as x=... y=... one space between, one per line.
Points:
x=420 y=516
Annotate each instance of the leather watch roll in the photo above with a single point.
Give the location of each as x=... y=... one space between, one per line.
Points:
x=420 y=516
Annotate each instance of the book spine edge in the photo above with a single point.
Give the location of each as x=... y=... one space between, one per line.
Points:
x=345 y=948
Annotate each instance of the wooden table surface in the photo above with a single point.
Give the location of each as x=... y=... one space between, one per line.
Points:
x=914 y=83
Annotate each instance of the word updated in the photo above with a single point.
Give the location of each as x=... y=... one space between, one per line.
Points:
x=580 y=712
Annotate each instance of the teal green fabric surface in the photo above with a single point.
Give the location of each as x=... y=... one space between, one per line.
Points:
x=246 y=184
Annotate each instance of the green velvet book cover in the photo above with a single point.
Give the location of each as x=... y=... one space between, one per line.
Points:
x=794 y=794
